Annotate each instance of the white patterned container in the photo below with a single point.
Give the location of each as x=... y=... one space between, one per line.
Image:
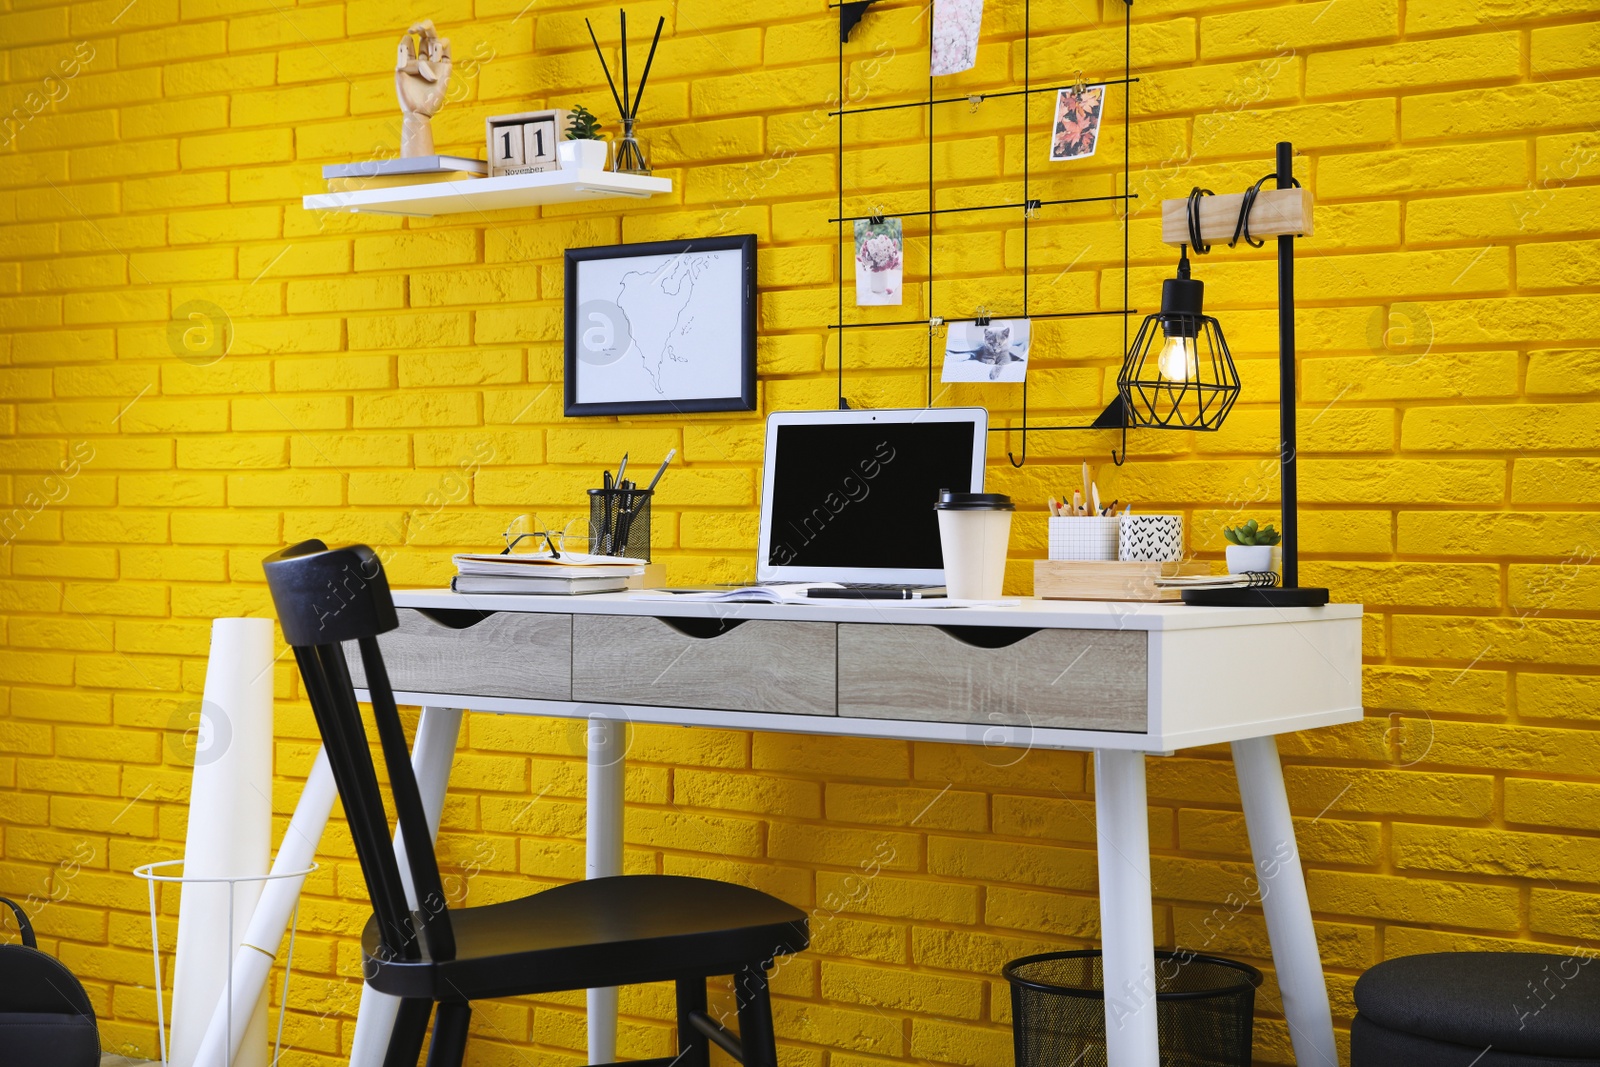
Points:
x=1083 y=537
x=1150 y=538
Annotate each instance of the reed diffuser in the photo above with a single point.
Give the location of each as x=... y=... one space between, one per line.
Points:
x=630 y=155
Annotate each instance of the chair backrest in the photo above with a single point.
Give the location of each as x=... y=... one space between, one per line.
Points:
x=324 y=597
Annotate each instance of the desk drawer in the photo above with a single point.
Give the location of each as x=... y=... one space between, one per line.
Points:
x=750 y=665
x=495 y=654
x=1074 y=679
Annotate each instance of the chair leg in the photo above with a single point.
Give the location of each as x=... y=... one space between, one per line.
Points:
x=410 y=1028
x=755 y=1018
x=449 y=1045
x=694 y=1049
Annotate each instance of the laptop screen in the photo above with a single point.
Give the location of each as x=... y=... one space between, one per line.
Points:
x=854 y=496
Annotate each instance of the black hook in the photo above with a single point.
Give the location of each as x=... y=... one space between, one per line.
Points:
x=1120 y=460
x=1015 y=462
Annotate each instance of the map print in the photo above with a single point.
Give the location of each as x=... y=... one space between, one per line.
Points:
x=657 y=304
x=667 y=327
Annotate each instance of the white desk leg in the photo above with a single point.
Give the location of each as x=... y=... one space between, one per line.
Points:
x=1123 y=844
x=1284 y=900
x=607 y=749
x=431 y=756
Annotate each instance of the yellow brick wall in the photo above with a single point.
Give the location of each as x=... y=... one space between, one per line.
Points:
x=398 y=382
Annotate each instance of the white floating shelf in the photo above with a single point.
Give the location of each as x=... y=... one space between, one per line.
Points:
x=491 y=194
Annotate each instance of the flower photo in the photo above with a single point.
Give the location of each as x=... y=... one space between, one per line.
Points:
x=1076 y=133
x=955 y=35
x=878 y=262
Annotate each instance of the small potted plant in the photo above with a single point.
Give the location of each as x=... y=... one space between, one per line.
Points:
x=583 y=149
x=1250 y=547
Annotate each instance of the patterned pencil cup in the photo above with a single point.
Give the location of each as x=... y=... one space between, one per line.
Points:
x=1083 y=537
x=1150 y=538
x=619 y=523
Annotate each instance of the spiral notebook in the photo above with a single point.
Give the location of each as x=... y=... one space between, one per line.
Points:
x=1247 y=580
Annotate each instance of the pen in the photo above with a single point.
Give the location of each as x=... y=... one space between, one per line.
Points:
x=626 y=508
x=605 y=513
x=622 y=469
x=662 y=470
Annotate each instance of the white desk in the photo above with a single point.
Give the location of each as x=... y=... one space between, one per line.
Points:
x=1161 y=677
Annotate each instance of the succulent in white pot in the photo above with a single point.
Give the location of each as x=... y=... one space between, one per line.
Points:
x=1251 y=547
x=583 y=149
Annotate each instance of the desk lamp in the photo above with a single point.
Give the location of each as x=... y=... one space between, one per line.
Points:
x=1283 y=212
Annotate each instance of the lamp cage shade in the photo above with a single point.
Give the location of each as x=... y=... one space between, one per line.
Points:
x=1178 y=374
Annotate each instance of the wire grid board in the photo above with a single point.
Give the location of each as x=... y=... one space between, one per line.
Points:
x=924 y=150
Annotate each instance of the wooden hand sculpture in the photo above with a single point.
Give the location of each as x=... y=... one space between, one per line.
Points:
x=421 y=78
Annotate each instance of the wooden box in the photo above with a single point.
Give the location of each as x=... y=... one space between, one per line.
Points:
x=1066 y=579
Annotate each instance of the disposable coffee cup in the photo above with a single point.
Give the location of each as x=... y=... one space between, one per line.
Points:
x=974 y=532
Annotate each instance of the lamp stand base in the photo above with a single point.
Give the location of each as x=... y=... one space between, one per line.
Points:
x=1266 y=597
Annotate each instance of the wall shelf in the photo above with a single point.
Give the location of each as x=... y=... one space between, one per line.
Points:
x=491 y=194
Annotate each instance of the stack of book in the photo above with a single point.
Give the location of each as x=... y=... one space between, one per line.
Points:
x=388 y=173
x=543 y=575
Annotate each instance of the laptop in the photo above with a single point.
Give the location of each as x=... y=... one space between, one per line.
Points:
x=847 y=497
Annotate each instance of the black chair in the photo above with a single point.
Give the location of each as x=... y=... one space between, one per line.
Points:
x=596 y=933
x=1479 y=1009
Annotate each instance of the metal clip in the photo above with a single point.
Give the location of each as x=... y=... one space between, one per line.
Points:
x=972 y=103
x=1030 y=210
x=934 y=323
x=981 y=316
x=876 y=217
x=1079 y=87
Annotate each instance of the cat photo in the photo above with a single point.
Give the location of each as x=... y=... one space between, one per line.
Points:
x=995 y=351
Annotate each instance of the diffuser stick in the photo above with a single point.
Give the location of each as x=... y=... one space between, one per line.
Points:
x=602 y=55
x=625 y=109
x=648 y=60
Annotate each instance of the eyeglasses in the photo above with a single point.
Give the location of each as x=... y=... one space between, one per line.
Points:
x=528 y=527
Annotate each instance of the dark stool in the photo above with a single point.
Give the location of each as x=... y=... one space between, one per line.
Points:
x=1478 y=1009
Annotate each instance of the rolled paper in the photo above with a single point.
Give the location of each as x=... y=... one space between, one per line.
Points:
x=955 y=35
x=229 y=836
x=253 y=962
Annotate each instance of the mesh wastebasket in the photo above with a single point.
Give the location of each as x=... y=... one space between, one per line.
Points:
x=1204 y=1006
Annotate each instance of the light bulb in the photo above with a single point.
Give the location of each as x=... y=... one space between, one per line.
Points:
x=1177 y=362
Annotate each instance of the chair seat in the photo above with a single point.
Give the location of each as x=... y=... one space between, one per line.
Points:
x=1517 y=1003
x=601 y=932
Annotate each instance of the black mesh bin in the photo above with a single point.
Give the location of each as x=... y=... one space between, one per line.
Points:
x=1204 y=1006
x=619 y=522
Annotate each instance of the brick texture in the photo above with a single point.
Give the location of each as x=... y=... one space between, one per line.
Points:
x=194 y=370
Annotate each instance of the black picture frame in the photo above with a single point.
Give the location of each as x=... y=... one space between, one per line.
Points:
x=744 y=400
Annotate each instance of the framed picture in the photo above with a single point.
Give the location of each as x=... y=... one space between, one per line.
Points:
x=661 y=327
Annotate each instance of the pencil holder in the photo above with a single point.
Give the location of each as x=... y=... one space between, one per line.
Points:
x=1083 y=537
x=1150 y=538
x=619 y=523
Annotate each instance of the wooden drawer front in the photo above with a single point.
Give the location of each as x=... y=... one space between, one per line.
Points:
x=695 y=663
x=500 y=654
x=1075 y=679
